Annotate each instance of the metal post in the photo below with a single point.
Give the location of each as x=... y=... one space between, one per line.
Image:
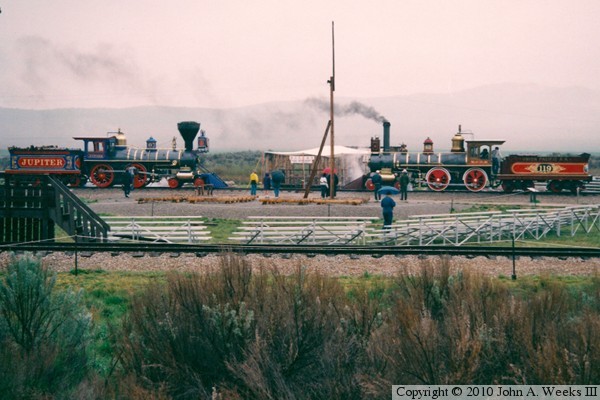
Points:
x=514 y=272
x=76 y=254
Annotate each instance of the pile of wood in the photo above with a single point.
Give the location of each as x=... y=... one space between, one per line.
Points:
x=290 y=200
x=198 y=199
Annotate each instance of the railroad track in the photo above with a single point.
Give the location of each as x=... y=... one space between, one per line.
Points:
x=308 y=250
x=592 y=188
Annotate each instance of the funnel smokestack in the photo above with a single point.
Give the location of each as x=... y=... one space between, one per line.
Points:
x=188 y=131
x=386 y=136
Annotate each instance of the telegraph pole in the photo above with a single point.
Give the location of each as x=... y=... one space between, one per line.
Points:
x=331 y=90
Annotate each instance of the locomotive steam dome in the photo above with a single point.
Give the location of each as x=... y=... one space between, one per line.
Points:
x=188 y=131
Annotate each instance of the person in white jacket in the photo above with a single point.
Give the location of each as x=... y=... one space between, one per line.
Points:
x=324 y=186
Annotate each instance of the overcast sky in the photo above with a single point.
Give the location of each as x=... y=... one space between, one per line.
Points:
x=230 y=53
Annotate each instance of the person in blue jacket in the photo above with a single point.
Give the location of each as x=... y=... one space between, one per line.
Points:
x=387 y=205
x=277 y=178
x=267 y=182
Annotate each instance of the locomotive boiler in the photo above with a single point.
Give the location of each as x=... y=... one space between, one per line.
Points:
x=470 y=164
x=103 y=160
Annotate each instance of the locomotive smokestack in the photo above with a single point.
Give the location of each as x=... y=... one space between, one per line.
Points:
x=188 y=131
x=386 y=136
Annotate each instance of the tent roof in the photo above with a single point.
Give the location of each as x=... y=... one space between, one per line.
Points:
x=339 y=150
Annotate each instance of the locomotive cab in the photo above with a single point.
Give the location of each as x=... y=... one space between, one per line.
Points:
x=479 y=152
x=97 y=148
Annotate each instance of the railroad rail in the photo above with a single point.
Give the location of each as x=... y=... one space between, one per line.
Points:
x=309 y=250
x=591 y=188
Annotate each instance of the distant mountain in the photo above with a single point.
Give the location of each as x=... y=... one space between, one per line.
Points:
x=528 y=117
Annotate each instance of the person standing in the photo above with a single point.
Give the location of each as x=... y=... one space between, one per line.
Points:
x=496 y=159
x=387 y=206
x=335 y=183
x=376 y=179
x=404 y=181
x=128 y=179
x=277 y=178
x=267 y=182
x=253 y=183
x=324 y=186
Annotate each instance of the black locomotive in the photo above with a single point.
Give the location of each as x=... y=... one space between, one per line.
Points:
x=471 y=165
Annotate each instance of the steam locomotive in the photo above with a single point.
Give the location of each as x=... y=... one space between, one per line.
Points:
x=473 y=168
x=103 y=159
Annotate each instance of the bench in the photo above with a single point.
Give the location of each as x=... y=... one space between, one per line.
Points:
x=436 y=228
x=302 y=230
x=184 y=229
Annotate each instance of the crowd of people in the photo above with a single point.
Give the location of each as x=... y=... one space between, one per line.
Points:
x=273 y=181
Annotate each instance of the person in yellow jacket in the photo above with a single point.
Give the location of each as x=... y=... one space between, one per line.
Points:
x=253 y=183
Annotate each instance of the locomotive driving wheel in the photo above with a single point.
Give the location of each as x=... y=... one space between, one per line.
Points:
x=174 y=183
x=102 y=175
x=369 y=184
x=438 y=179
x=77 y=181
x=475 y=179
x=141 y=179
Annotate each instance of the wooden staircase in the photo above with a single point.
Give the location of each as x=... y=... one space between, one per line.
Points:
x=29 y=210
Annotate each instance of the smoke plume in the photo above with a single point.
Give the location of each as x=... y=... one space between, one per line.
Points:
x=353 y=108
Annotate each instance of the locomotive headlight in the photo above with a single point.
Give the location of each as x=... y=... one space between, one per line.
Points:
x=174 y=163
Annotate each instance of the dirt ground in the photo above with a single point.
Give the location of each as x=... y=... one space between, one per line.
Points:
x=113 y=202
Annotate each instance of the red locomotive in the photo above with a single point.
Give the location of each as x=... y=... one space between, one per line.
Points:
x=476 y=166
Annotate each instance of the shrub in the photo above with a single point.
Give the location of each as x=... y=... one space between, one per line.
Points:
x=468 y=329
x=44 y=334
x=239 y=333
x=248 y=334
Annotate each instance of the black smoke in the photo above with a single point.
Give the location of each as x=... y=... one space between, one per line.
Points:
x=353 y=108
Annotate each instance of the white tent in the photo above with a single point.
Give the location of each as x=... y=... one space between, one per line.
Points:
x=350 y=163
x=338 y=150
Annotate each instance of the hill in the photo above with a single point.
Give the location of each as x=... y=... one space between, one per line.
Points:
x=528 y=117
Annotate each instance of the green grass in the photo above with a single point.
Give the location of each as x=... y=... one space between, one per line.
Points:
x=61 y=236
x=106 y=296
x=221 y=229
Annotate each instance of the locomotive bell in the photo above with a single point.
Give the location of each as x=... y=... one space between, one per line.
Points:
x=458 y=143
x=188 y=131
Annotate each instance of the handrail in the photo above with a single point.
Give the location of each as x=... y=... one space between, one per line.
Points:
x=86 y=213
